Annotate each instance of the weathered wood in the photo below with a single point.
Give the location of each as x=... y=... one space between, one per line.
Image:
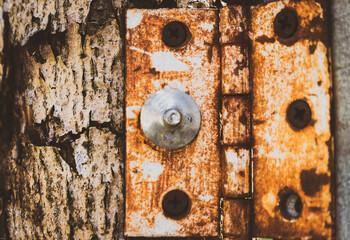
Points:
x=65 y=166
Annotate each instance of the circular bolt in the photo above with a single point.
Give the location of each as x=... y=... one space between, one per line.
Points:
x=290 y=204
x=299 y=114
x=285 y=23
x=175 y=34
x=172 y=117
x=176 y=204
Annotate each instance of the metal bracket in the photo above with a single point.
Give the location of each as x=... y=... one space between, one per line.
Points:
x=261 y=163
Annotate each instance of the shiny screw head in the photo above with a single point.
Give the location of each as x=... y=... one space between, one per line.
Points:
x=172 y=117
x=175 y=34
x=176 y=204
x=290 y=204
x=299 y=114
x=285 y=23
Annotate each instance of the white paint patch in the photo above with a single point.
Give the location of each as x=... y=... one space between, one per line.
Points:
x=151 y=170
x=206 y=198
x=165 y=226
x=134 y=19
x=207 y=26
x=164 y=61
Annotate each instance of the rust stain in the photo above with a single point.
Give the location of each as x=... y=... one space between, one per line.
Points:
x=236 y=120
x=285 y=70
x=311 y=182
x=235 y=69
x=236 y=168
x=236 y=218
x=195 y=169
x=233 y=24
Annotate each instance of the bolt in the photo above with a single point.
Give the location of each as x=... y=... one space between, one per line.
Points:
x=175 y=34
x=290 y=204
x=299 y=114
x=176 y=204
x=172 y=117
x=285 y=23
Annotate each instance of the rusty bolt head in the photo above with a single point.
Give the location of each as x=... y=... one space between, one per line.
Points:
x=290 y=204
x=175 y=34
x=285 y=23
x=299 y=114
x=176 y=204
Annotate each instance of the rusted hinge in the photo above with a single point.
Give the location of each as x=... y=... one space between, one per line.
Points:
x=228 y=122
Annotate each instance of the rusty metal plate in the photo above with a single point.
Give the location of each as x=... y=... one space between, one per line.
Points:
x=236 y=219
x=152 y=172
x=289 y=161
x=236 y=172
x=236 y=120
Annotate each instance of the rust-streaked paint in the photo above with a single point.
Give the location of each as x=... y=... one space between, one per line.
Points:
x=233 y=24
x=285 y=70
x=235 y=120
x=236 y=219
x=236 y=172
x=151 y=172
x=235 y=69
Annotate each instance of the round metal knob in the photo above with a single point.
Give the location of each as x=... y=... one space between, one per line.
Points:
x=170 y=119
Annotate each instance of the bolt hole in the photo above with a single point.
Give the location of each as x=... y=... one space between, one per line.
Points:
x=290 y=204
x=176 y=204
x=176 y=34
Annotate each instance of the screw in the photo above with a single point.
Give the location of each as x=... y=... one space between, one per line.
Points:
x=299 y=114
x=285 y=23
x=172 y=117
x=176 y=204
x=290 y=204
x=175 y=34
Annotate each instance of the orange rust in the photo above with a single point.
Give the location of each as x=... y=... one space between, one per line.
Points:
x=236 y=120
x=236 y=218
x=236 y=172
x=151 y=172
x=235 y=69
x=285 y=70
x=233 y=24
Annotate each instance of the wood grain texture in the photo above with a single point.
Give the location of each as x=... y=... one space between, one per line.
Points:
x=341 y=67
x=63 y=164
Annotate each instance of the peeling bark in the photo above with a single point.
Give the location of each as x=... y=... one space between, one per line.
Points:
x=62 y=117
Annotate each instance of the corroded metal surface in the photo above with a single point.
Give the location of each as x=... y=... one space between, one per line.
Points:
x=235 y=69
x=194 y=169
x=235 y=120
x=236 y=219
x=284 y=159
x=233 y=24
x=236 y=172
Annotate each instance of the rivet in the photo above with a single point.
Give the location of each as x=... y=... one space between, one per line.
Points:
x=285 y=23
x=176 y=204
x=176 y=34
x=299 y=114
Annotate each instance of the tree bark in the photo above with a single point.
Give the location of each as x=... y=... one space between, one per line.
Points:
x=62 y=118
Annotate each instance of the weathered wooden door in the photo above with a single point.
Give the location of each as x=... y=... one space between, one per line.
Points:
x=207 y=120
